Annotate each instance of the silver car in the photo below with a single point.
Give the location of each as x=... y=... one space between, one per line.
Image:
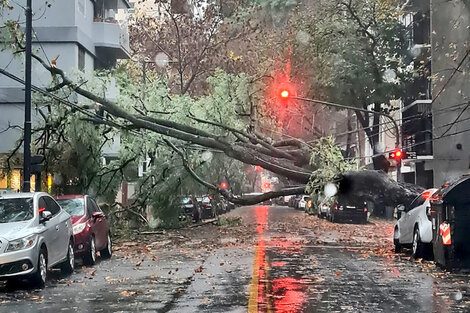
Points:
x=35 y=235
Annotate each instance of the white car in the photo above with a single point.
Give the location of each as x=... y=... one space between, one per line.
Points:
x=286 y=199
x=323 y=209
x=414 y=226
x=303 y=202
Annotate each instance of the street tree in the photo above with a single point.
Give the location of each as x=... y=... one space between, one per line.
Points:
x=186 y=44
x=358 y=56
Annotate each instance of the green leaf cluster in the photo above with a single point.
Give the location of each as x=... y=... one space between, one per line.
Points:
x=329 y=162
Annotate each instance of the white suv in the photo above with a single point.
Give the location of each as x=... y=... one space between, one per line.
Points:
x=414 y=227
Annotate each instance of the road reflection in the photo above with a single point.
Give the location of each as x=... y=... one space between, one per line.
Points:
x=283 y=294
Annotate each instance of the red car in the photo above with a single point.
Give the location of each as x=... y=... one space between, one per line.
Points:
x=90 y=227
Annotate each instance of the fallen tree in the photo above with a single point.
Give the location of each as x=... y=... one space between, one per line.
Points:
x=286 y=157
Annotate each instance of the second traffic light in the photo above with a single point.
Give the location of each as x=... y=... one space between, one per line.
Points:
x=397 y=154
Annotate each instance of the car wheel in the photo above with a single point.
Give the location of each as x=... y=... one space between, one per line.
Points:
x=417 y=245
x=68 y=266
x=40 y=276
x=396 y=241
x=107 y=252
x=90 y=255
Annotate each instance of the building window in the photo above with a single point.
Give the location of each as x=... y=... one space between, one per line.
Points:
x=81 y=58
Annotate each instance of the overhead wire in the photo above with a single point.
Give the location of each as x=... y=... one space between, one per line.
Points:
x=405 y=119
x=66 y=102
x=77 y=107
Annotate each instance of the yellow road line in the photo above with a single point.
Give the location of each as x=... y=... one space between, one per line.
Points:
x=254 y=286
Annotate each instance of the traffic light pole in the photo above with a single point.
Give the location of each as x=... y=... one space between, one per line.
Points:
x=347 y=107
x=27 y=102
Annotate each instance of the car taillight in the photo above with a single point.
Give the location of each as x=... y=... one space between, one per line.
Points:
x=364 y=210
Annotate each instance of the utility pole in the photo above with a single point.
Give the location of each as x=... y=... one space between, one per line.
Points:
x=27 y=101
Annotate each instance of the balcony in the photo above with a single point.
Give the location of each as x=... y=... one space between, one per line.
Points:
x=111 y=39
x=417 y=128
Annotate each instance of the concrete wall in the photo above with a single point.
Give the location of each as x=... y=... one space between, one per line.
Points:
x=450 y=38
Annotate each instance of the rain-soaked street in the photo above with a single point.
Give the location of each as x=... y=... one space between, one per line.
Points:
x=277 y=260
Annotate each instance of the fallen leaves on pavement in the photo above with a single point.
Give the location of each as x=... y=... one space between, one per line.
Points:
x=127 y=293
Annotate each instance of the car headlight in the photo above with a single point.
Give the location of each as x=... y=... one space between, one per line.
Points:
x=78 y=228
x=22 y=243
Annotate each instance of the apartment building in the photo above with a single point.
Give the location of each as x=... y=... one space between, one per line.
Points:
x=417 y=105
x=436 y=115
x=450 y=63
x=84 y=34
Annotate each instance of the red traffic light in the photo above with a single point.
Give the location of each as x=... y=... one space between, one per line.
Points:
x=397 y=154
x=285 y=94
x=223 y=185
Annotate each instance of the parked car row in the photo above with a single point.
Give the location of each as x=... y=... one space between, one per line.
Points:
x=297 y=201
x=38 y=233
x=335 y=209
x=435 y=225
x=203 y=207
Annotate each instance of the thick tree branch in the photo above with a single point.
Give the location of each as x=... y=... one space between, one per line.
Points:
x=227 y=194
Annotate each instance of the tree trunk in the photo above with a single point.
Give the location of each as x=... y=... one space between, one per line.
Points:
x=349 y=136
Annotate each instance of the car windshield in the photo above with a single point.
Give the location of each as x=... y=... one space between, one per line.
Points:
x=16 y=210
x=74 y=207
x=186 y=201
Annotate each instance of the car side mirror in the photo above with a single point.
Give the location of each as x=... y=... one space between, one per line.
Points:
x=97 y=214
x=45 y=216
x=400 y=209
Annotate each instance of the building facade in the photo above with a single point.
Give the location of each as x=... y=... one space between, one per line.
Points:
x=436 y=112
x=84 y=35
x=416 y=110
x=450 y=39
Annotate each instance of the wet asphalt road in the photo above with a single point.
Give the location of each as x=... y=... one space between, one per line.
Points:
x=282 y=268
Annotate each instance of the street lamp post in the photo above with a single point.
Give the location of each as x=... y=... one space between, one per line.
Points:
x=27 y=102
x=285 y=94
